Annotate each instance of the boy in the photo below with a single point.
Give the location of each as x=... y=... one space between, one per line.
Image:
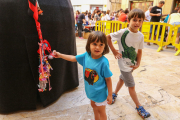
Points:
x=130 y=42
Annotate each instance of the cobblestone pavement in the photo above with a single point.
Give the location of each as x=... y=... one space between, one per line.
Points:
x=157 y=86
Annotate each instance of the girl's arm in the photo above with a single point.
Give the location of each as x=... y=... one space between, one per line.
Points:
x=109 y=86
x=71 y=58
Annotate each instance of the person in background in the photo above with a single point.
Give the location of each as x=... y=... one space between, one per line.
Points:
x=155 y=13
x=76 y=17
x=174 y=19
x=166 y=19
x=127 y=9
x=166 y=30
x=117 y=15
x=103 y=18
x=86 y=18
x=112 y=17
x=96 y=16
x=107 y=15
x=123 y=16
x=120 y=11
x=93 y=14
x=89 y=15
x=100 y=13
x=175 y=10
x=80 y=21
x=147 y=14
x=126 y=12
x=86 y=11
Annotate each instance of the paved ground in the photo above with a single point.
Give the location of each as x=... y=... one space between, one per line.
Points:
x=157 y=85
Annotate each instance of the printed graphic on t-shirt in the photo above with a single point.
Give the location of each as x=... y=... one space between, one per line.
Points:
x=159 y=10
x=91 y=76
x=129 y=54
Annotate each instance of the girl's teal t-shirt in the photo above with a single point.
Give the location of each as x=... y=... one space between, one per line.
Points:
x=95 y=71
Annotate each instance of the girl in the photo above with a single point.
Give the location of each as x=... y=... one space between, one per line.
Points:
x=97 y=75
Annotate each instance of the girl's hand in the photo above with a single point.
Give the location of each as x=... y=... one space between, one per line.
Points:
x=117 y=55
x=56 y=54
x=134 y=67
x=109 y=99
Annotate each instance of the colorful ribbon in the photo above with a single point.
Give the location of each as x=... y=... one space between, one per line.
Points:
x=44 y=67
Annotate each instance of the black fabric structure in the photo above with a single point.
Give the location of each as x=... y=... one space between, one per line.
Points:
x=19 y=58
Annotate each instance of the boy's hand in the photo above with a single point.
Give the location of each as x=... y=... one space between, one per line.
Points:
x=109 y=99
x=134 y=67
x=56 y=54
x=117 y=55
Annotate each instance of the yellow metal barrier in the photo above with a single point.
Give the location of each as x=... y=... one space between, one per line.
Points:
x=113 y=26
x=109 y=26
x=177 y=45
x=154 y=36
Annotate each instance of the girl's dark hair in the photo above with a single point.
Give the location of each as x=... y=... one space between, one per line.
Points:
x=136 y=12
x=97 y=36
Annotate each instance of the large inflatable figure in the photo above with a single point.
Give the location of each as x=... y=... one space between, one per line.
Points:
x=19 y=60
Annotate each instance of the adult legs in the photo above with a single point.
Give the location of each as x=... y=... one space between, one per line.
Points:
x=99 y=111
x=79 y=29
x=155 y=32
x=177 y=40
x=166 y=41
x=150 y=35
x=151 y=27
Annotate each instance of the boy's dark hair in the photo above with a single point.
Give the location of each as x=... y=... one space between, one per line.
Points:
x=136 y=13
x=98 y=11
x=161 y=2
x=99 y=36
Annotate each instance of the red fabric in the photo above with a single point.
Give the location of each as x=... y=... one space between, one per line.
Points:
x=122 y=17
x=35 y=16
x=34 y=9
